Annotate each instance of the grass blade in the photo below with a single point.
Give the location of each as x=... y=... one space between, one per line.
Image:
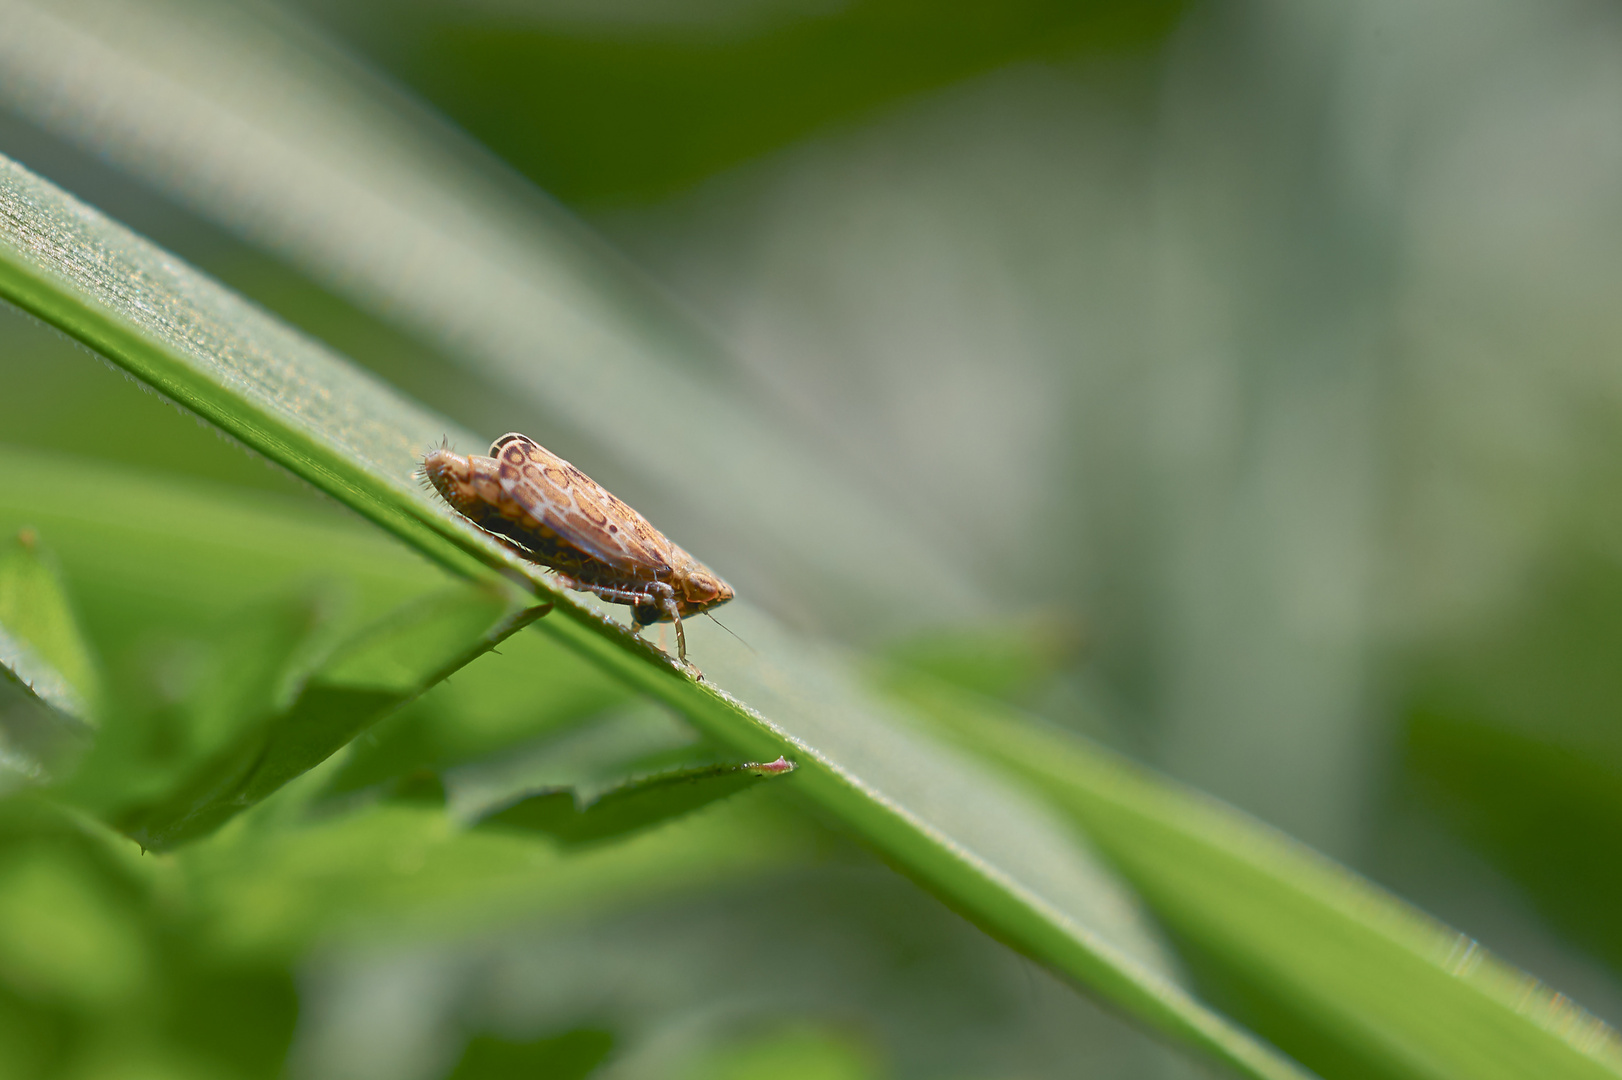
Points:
x=632 y=806
x=1349 y=978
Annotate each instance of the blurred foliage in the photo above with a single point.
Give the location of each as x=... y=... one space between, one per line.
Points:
x=1345 y=977
x=621 y=104
x=1356 y=225
x=101 y=974
x=570 y=1056
x=41 y=646
x=796 y=1052
x=1515 y=736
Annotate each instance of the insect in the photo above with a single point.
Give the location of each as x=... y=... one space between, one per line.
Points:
x=559 y=517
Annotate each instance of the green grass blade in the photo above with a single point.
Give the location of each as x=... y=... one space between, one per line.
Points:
x=988 y=850
x=633 y=806
x=1353 y=981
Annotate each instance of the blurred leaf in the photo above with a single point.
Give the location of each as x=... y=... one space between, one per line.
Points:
x=206 y=698
x=150 y=554
x=635 y=805
x=61 y=936
x=991 y=852
x=573 y=1055
x=594 y=755
x=101 y=969
x=237 y=1018
x=40 y=643
x=367 y=677
x=609 y=110
x=1548 y=815
x=481 y=713
x=398 y=870
x=69 y=928
x=1514 y=733
x=259 y=657
x=1351 y=980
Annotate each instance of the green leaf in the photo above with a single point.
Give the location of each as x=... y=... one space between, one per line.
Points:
x=98 y=941
x=369 y=676
x=990 y=851
x=242 y=672
x=400 y=870
x=595 y=755
x=71 y=929
x=469 y=718
x=41 y=646
x=630 y=807
x=661 y=112
x=1353 y=981
x=1511 y=734
x=1538 y=809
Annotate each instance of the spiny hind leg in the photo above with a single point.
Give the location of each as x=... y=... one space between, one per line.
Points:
x=637 y=598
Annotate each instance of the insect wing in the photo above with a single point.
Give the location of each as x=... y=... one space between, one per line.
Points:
x=579 y=509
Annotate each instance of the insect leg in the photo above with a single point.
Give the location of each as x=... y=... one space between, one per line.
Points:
x=656 y=594
x=634 y=597
x=668 y=603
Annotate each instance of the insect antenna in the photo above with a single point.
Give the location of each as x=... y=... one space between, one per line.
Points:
x=728 y=629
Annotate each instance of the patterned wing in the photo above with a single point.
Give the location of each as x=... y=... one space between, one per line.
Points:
x=580 y=510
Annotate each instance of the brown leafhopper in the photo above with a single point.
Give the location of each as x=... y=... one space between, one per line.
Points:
x=557 y=516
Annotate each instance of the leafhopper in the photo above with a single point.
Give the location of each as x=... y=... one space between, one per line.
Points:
x=557 y=516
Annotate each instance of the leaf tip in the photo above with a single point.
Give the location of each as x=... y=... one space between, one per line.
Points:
x=770 y=768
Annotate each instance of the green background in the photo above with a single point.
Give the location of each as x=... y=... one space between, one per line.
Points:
x=1250 y=372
